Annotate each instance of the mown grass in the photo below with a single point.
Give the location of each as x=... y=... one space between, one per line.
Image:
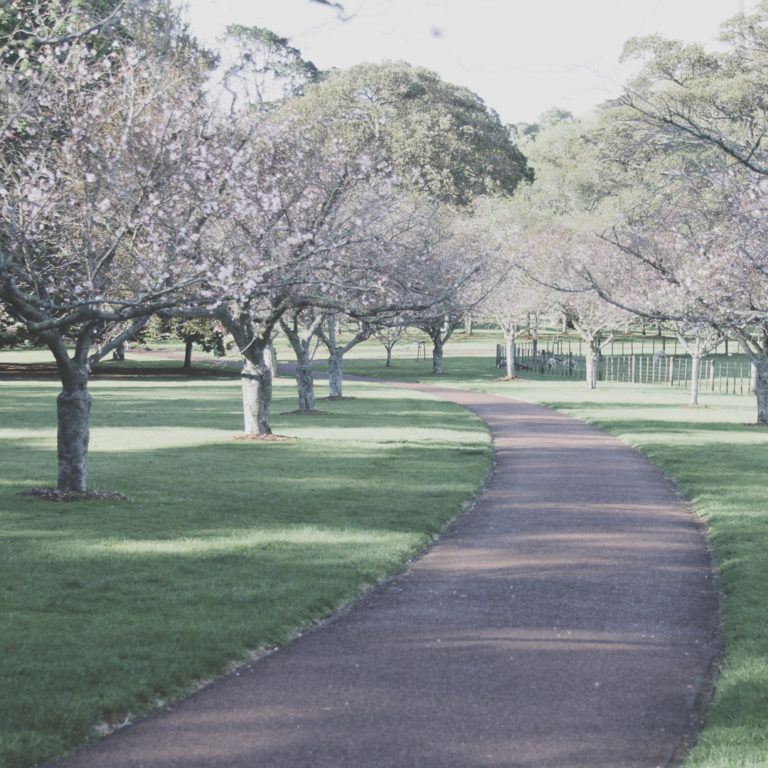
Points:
x=226 y=546
x=719 y=461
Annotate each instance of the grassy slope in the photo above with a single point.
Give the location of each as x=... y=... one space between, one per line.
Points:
x=719 y=461
x=225 y=547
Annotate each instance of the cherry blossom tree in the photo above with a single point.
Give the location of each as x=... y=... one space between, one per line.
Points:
x=698 y=340
x=388 y=335
x=511 y=304
x=570 y=261
x=699 y=252
x=328 y=334
x=101 y=204
x=308 y=225
x=703 y=232
x=467 y=265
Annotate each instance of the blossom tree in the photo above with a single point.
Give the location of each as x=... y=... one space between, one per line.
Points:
x=388 y=335
x=699 y=252
x=703 y=235
x=309 y=225
x=569 y=261
x=102 y=200
x=510 y=306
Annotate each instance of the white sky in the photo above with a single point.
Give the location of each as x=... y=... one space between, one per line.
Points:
x=522 y=57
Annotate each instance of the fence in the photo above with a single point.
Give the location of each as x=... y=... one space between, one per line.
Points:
x=528 y=356
x=715 y=374
x=725 y=376
x=562 y=345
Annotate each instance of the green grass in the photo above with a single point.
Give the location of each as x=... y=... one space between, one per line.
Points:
x=72 y=563
x=226 y=546
x=719 y=462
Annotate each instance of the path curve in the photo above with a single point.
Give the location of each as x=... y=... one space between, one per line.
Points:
x=569 y=620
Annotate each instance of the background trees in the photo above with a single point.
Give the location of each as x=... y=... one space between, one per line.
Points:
x=438 y=137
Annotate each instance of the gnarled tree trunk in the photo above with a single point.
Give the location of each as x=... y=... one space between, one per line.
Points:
x=761 y=390
x=74 y=411
x=437 y=355
x=256 y=383
x=73 y=407
x=335 y=372
x=305 y=385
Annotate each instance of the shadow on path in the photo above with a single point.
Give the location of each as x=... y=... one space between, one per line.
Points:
x=570 y=619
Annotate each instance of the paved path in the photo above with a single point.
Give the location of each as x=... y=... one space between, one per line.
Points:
x=569 y=620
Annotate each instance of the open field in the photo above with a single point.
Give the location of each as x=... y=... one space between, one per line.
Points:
x=225 y=549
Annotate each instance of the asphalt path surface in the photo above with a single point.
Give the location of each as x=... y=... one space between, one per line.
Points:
x=569 y=619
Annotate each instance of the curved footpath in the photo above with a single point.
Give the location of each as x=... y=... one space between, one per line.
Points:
x=570 y=619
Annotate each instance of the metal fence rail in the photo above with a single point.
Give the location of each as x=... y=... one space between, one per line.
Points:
x=715 y=375
x=725 y=376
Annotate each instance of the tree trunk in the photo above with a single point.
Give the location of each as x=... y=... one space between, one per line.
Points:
x=256 y=382
x=74 y=410
x=301 y=343
x=335 y=372
x=270 y=359
x=468 y=324
x=437 y=354
x=187 y=355
x=73 y=406
x=305 y=385
x=389 y=356
x=510 y=347
x=593 y=358
x=761 y=390
x=695 y=369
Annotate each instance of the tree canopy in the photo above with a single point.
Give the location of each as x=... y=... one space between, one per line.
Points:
x=439 y=137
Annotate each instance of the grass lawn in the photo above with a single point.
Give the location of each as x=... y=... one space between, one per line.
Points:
x=226 y=548
x=719 y=462
x=235 y=546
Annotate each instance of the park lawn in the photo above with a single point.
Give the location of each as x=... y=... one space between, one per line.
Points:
x=225 y=549
x=719 y=461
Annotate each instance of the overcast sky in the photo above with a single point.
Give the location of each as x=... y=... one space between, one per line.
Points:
x=522 y=57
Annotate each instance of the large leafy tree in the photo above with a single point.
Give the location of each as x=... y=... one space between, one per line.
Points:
x=439 y=137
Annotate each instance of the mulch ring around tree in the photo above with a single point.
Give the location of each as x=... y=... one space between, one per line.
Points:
x=309 y=412
x=56 y=494
x=265 y=438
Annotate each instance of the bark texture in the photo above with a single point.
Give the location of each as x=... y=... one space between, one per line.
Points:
x=305 y=385
x=74 y=410
x=592 y=359
x=256 y=382
x=761 y=391
x=335 y=372
x=695 y=372
x=437 y=356
x=510 y=353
